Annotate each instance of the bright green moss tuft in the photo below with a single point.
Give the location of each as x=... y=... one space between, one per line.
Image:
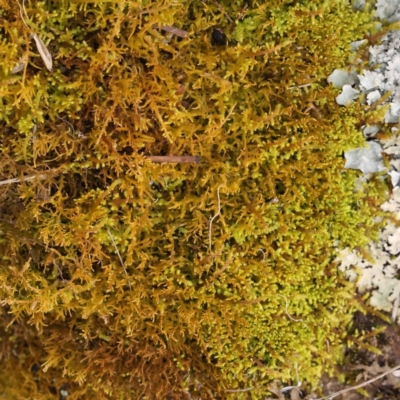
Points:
x=175 y=318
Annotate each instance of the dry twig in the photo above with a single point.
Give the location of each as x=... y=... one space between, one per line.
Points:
x=155 y=159
x=174 y=159
x=120 y=258
x=241 y=15
x=27 y=178
x=215 y=216
x=331 y=396
x=222 y=9
x=43 y=51
x=175 y=31
x=286 y=309
x=263 y=253
x=238 y=390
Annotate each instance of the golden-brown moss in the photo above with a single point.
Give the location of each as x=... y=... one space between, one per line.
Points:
x=260 y=115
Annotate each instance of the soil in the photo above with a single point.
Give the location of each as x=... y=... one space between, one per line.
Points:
x=376 y=354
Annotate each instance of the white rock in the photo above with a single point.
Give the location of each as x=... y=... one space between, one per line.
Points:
x=347 y=96
x=367 y=159
x=373 y=97
x=340 y=78
x=371 y=131
x=393 y=114
x=370 y=80
x=395 y=177
x=356 y=44
x=359 y=4
x=388 y=9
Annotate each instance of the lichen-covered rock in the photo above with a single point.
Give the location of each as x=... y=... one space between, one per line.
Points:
x=379 y=273
x=114 y=283
x=367 y=159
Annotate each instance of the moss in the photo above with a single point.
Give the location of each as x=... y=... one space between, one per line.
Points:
x=259 y=113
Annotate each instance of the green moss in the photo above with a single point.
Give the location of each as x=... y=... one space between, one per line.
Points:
x=259 y=113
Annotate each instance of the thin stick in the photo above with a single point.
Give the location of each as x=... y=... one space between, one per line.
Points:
x=155 y=159
x=215 y=216
x=174 y=159
x=60 y=272
x=300 y=86
x=69 y=123
x=23 y=6
x=238 y=390
x=175 y=31
x=222 y=9
x=287 y=388
x=262 y=251
x=331 y=396
x=27 y=178
x=120 y=258
x=287 y=313
x=241 y=15
x=20 y=13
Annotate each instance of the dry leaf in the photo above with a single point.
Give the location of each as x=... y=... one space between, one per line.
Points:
x=295 y=394
x=369 y=370
x=274 y=388
x=43 y=51
x=171 y=29
x=375 y=369
x=20 y=66
x=175 y=31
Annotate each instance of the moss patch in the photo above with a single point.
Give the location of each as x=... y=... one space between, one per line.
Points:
x=183 y=314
